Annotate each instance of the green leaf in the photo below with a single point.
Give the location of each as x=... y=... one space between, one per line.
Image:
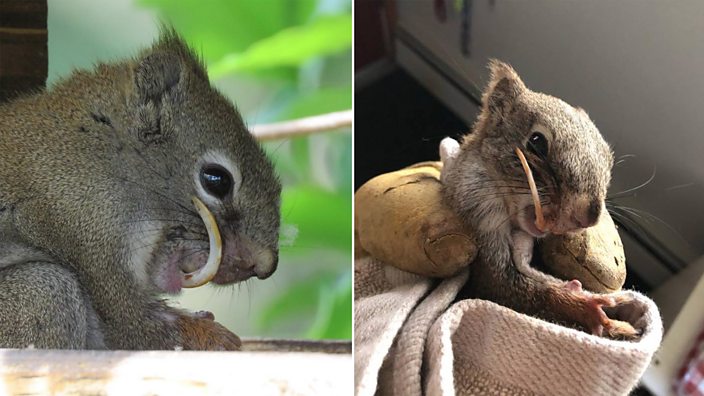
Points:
x=326 y=297
x=290 y=47
x=333 y=319
x=300 y=297
x=323 y=218
x=322 y=101
x=219 y=27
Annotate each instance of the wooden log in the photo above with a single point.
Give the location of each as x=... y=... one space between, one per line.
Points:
x=40 y=372
x=23 y=47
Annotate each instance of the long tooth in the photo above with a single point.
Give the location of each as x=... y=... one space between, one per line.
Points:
x=539 y=219
x=208 y=271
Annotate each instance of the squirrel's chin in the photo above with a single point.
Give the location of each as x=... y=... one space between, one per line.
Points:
x=531 y=229
x=171 y=265
x=527 y=223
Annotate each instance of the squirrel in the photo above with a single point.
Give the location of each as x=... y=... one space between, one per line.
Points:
x=485 y=183
x=118 y=185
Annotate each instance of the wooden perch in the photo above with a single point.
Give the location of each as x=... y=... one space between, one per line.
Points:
x=40 y=372
x=269 y=345
x=303 y=126
x=23 y=47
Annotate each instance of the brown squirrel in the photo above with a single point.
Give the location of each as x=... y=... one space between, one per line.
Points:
x=99 y=176
x=485 y=183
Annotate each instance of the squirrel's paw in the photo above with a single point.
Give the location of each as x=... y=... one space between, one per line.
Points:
x=199 y=331
x=619 y=329
x=591 y=313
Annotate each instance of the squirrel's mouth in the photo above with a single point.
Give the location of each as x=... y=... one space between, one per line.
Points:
x=229 y=258
x=207 y=271
x=526 y=221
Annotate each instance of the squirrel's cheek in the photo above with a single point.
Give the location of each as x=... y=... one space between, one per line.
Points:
x=167 y=278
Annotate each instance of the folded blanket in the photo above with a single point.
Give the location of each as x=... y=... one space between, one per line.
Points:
x=411 y=339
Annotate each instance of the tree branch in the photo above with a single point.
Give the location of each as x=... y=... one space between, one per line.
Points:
x=303 y=126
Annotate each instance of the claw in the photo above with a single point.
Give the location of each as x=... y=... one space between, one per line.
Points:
x=600 y=324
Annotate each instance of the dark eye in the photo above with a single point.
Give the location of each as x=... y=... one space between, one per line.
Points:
x=538 y=144
x=216 y=180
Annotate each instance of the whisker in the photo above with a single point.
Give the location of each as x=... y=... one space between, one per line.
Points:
x=623 y=158
x=636 y=188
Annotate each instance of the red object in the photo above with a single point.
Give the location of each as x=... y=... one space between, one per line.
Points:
x=690 y=379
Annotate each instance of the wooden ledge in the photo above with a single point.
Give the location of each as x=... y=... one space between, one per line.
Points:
x=276 y=371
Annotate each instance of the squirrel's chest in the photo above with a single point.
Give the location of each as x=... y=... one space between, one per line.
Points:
x=12 y=249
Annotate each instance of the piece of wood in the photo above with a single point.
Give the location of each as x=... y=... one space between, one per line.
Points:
x=23 y=47
x=303 y=126
x=41 y=372
x=269 y=345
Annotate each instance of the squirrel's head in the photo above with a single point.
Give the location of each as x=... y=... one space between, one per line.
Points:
x=180 y=140
x=569 y=159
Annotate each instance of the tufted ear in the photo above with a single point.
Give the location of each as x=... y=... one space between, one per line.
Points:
x=503 y=89
x=157 y=73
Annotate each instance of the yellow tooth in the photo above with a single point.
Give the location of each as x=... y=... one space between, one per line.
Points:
x=204 y=274
x=539 y=219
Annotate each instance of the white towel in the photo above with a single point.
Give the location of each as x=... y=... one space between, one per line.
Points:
x=410 y=339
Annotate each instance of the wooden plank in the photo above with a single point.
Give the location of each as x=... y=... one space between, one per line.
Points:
x=23 y=47
x=268 y=345
x=41 y=372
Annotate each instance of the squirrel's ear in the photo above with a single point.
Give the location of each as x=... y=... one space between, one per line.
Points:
x=157 y=73
x=504 y=86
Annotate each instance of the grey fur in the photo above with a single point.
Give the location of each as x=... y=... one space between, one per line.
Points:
x=486 y=185
x=87 y=162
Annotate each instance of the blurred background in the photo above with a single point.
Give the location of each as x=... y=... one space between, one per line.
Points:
x=276 y=60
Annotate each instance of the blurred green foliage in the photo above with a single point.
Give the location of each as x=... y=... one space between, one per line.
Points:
x=302 y=50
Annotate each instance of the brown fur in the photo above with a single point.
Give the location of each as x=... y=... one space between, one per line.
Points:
x=88 y=162
x=486 y=185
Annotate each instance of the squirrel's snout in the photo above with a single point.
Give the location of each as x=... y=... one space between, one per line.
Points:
x=266 y=264
x=586 y=216
x=244 y=258
x=579 y=213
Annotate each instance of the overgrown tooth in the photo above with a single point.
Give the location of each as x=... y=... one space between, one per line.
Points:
x=208 y=271
x=539 y=219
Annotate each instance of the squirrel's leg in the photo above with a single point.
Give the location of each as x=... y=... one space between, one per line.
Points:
x=137 y=318
x=522 y=247
x=506 y=263
x=567 y=300
x=43 y=305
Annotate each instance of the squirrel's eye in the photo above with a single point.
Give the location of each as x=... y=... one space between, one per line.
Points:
x=538 y=144
x=216 y=180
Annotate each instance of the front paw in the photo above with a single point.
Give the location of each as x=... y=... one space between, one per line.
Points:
x=199 y=331
x=591 y=313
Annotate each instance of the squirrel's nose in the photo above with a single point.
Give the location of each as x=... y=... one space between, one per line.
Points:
x=266 y=263
x=588 y=215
